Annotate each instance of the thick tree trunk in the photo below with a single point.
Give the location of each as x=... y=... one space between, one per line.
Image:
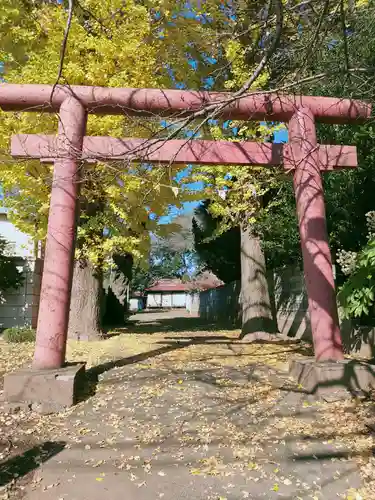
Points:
x=85 y=306
x=116 y=286
x=257 y=318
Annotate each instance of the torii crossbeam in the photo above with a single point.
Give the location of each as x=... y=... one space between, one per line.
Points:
x=302 y=155
x=201 y=152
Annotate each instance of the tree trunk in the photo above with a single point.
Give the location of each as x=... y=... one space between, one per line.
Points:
x=85 y=306
x=116 y=285
x=257 y=318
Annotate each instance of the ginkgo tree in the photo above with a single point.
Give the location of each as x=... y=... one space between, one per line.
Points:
x=237 y=195
x=110 y=43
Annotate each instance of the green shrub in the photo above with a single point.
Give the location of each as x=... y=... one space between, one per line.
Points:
x=18 y=334
x=357 y=295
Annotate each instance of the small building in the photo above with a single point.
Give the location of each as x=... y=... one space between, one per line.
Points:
x=20 y=307
x=175 y=293
x=167 y=294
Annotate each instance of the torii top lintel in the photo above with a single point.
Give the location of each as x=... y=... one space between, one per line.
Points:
x=147 y=102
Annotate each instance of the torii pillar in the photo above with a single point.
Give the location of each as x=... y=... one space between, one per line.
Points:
x=52 y=386
x=57 y=277
x=317 y=261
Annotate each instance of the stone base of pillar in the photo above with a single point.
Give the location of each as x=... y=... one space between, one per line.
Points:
x=45 y=391
x=334 y=380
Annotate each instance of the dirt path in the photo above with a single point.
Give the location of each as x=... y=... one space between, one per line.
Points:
x=178 y=415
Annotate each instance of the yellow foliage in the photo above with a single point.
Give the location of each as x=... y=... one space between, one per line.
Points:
x=116 y=43
x=236 y=55
x=236 y=191
x=123 y=49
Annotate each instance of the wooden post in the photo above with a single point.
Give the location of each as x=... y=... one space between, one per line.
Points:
x=58 y=265
x=317 y=261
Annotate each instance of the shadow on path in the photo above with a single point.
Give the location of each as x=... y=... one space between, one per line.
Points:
x=151 y=323
x=175 y=343
x=28 y=461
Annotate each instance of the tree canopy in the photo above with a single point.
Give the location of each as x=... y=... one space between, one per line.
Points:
x=113 y=55
x=218 y=253
x=110 y=43
x=172 y=256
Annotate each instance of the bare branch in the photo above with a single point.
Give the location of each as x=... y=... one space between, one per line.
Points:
x=344 y=35
x=63 y=46
x=279 y=27
x=316 y=34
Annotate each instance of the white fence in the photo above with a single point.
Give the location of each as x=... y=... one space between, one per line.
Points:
x=20 y=307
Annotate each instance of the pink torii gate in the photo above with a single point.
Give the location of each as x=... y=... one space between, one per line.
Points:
x=70 y=147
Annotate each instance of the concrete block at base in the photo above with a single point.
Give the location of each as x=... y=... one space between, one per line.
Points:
x=46 y=391
x=343 y=378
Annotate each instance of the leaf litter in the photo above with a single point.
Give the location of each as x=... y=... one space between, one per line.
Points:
x=182 y=372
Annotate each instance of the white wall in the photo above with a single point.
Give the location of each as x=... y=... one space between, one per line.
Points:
x=153 y=300
x=20 y=307
x=179 y=300
x=192 y=303
x=167 y=300
x=20 y=244
x=135 y=304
